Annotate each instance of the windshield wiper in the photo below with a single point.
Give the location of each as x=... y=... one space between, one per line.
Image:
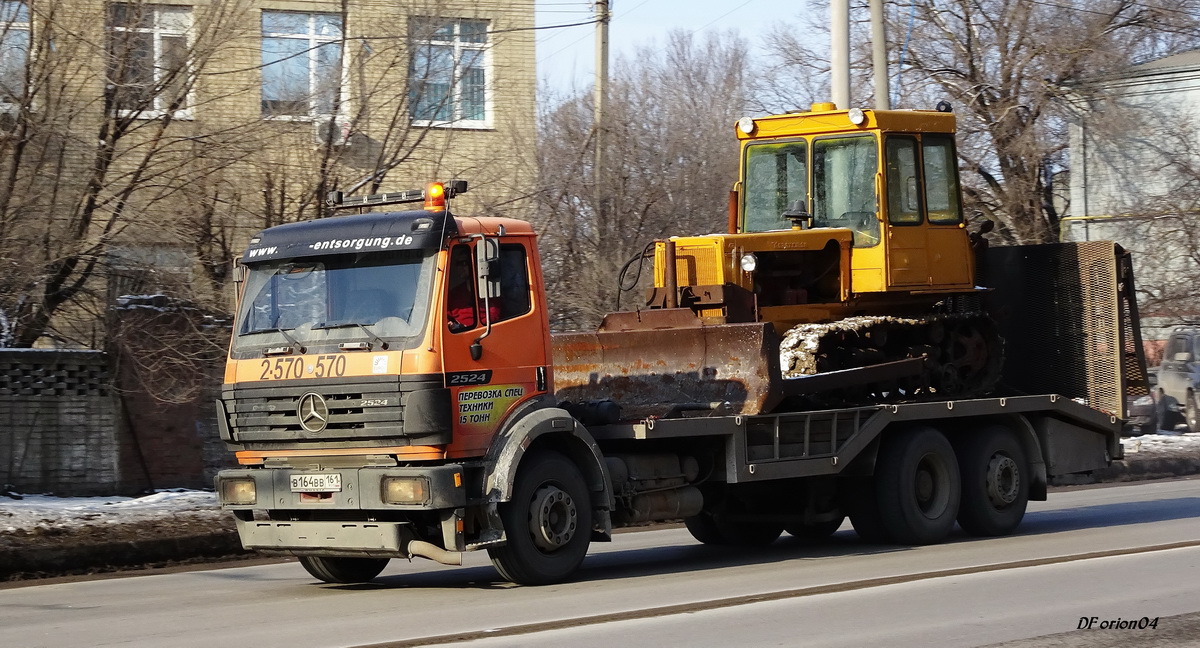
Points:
x=283 y=350
x=371 y=334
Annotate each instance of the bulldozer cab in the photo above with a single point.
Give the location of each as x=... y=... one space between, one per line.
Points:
x=889 y=177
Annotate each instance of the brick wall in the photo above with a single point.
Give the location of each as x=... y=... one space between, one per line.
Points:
x=58 y=421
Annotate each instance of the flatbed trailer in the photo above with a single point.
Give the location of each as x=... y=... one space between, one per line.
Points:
x=1059 y=435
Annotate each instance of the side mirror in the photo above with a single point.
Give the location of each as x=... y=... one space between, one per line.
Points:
x=487 y=267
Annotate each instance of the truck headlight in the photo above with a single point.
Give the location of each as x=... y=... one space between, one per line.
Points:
x=405 y=490
x=238 y=491
x=1144 y=401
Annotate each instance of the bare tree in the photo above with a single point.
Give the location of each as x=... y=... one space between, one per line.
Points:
x=128 y=145
x=98 y=138
x=671 y=161
x=1006 y=65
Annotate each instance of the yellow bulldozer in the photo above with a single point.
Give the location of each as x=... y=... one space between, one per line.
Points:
x=847 y=237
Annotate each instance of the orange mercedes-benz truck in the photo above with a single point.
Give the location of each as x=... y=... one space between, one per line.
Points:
x=393 y=389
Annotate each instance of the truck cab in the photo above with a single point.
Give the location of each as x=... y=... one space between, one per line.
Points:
x=376 y=359
x=835 y=213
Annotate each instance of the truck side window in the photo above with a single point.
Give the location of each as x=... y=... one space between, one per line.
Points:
x=941 y=180
x=460 y=294
x=514 y=281
x=903 y=184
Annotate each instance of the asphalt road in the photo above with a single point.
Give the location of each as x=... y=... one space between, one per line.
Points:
x=1122 y=553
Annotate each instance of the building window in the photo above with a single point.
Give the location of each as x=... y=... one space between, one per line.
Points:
x=14 y=51
x=302 y=64
x=148 y=57
x=448 y=72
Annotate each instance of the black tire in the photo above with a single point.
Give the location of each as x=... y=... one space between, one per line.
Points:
x=863 y=506
x=995 y=481
x=817 y=532
x=719 y=530
x=1191 y=413
x=547 y=523
x=917 y=486
x=343 y=570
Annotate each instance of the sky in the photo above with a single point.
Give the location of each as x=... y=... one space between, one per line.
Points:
x=566 y=57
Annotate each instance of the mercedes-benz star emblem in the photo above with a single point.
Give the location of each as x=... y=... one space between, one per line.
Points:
x=313 y=412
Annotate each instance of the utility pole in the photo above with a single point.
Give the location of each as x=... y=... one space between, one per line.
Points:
x=883 y=97
x=839 y=54
x=603 y=15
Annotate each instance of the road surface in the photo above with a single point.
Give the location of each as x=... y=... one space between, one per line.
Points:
x=1117 y=554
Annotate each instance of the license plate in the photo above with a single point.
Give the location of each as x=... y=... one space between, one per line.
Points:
x=319 y=483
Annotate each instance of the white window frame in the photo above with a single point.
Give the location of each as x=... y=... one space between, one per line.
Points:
x=456 y=89
x=313 y=39
x=27 y=27
x=157 y=31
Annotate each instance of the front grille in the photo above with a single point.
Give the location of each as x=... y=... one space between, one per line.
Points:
x=358 y=409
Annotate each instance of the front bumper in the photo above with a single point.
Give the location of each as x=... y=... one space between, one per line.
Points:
x=361 y=489
x=352 y=539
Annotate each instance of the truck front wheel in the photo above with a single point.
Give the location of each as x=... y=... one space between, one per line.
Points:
x=547 y=523
x=343 y=570
x=917 y=486
x=995 y=477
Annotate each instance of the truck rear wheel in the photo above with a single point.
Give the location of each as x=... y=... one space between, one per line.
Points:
x=864 y=511
x=343 y=570
x=717 y=529
x=995 y=481
x=547 y=523
x=917 y=486
x=818 y=531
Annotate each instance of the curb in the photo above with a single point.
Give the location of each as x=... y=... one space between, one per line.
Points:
x=19 y=564
x=1136 y=469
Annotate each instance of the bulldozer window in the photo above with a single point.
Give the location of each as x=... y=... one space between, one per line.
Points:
x=903 y=183
x=941 y=180
x=776 y=177
x=844 y=186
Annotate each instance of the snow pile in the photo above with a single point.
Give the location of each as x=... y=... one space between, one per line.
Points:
x=1163 y=443
x=34 y=511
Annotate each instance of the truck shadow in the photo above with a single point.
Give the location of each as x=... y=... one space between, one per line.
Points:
x=682 y=557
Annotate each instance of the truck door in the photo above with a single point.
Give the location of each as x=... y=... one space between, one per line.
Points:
x=511 y=363
x=907 y=240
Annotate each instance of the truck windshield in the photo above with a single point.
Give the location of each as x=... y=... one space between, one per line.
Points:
x=843 y=185
x=844 y=171
x=776 y=177
x=324 y=301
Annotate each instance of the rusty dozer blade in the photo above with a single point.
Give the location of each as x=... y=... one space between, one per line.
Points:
x=653 y=362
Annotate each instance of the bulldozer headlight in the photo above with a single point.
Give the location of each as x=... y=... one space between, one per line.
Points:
x=749 y=262
x=238 y=491
x=746 y=125
x=856 y=116
x=405 y=490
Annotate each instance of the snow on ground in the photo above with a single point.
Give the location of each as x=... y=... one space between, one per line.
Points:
x=1163 y=443
x=32 y=511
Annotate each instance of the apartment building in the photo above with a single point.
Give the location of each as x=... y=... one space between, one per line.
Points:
x=141 y=144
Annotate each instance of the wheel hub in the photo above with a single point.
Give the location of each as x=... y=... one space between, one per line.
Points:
x=931 y=486
x=553 y=518
x=1003 y=480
